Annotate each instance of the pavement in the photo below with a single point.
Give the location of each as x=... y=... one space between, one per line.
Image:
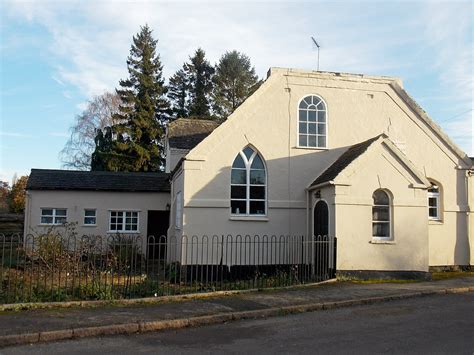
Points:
x=60 y=323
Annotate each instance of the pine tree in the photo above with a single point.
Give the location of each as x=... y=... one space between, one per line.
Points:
x=178 y=92
x=143 y=113
x=199 y=73
x=234 y=81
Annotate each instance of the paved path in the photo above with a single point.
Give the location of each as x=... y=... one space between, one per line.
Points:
x=34 y=321
x=439 y=324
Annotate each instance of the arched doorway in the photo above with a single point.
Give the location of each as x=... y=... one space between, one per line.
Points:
x=321 y=219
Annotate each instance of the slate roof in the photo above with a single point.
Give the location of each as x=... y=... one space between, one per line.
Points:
x=45 y=179
x=186 y=133
x=352 y=153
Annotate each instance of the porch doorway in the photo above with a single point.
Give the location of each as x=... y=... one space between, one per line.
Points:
x=157 y=229
x=321 y=219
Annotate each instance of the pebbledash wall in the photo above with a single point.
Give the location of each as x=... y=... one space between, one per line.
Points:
x=358 y=108
x=102 y=201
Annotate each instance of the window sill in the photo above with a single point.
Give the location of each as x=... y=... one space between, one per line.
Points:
x=435 y=221
x=312 y=148
x=89 y=225
x=382 y=241
x=249 y=218
x=123 y=232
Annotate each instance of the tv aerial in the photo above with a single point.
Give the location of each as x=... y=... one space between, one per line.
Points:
x=317 y=46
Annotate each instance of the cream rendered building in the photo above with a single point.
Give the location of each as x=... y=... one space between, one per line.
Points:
x=309 y=153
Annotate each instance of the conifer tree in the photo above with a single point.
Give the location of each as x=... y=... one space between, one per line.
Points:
x=143 y=114
x=234 y=81
x=199 y=73
x=178 y=92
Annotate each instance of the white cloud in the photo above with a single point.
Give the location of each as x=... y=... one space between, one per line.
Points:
x=15 y=134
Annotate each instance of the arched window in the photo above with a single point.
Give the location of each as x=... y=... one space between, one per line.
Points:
x=381 y=215
x=248 y=184
x=312 y=123
x=434 y=202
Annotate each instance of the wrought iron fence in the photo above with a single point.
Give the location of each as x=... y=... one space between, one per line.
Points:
x=55 y=267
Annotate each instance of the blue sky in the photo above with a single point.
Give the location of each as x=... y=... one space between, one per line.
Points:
x=56 y=55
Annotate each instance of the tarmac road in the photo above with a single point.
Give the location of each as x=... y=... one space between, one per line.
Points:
x=440 y=324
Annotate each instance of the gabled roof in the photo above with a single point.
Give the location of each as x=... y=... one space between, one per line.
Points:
x=356 y=150
x=352 y=153
x=186 y=133
x=45 y=179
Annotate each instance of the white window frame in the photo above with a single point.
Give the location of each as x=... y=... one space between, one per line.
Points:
x=390 y=217
x=437 y=197
x=298 y=145
x=248 y=165
x=54 y=216
x=178 y=211
x=94 y=216
x=123 y=230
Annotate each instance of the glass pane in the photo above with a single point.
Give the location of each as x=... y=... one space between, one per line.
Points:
x=381 y=230
x=257 y=177
x=257 y=192
x=322 y=141
x=315 y=100
x=248 y=152
x=303 y=140
x=128 y=214
x=238 y=207
x=303 y=115
x=432 y=202
x=47 y=212
x=433 y=212
x=60 y=212
x=60 y=220
x=312 y=141
x=321 y=106
x=303 y=104
x=322 y=116
x=89 y=220
x=238 y=192
x=312 y=116
x=322 y=129
x=380 y=214
x=303 y=127
x=128 y=220
x=113 y=214
x=381 y=198
x=128 y=227
x=312 y=128
x=257 y=207
x=46 y=220
x=238 y=162
x=89 y=213
x=257 y=163
x=239 y=176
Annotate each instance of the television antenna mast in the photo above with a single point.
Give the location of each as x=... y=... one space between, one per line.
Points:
x=318 y=46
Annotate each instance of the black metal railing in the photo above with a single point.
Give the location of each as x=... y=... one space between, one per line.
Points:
x=55 y=267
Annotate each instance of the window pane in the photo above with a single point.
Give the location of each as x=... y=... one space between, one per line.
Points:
x=257 y=177
x=60 y=220
x=89 y=220
x=303 y=128
x=303 y=140
x=257 y=192
x=47 y=212
x=248 y=152
x=89 y=213
x=312 y=116
x=381 y=198
x=257 y=163
x=238 y=207
x=322 y=129
x=381 y=230
x=433 y=212
x=312 y=128
x=303 y=104
x=238 y=162
x=321 y=106
x=322 y=141
x=315 y=100
x=46 y=220
x=311 y=141
x=380 y=214
x=303 y=115
x=322 y=116
x=60 y=212
x=239 y=176
x=432 y=202
x=238 y=192
x=257 y=207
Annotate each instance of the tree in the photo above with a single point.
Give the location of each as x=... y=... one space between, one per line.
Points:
x=17 y=195
x=144 y=111
x=199 y=73
x=98 y=114
x=178 y=91
x=234 y=81
x=4 y=196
